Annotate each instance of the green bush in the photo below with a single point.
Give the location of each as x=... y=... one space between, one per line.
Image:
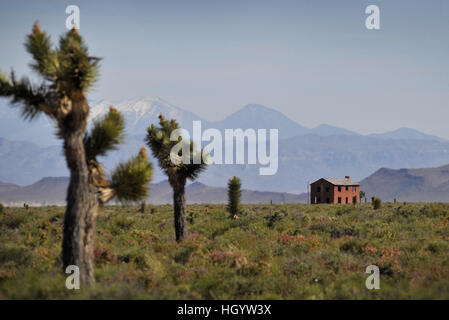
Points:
x=13 y=253
x=437 y=247
x=13 y=221
x=143 y=206
x=377 y=203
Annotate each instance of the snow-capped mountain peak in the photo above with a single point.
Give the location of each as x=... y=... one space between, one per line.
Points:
x=140 y=113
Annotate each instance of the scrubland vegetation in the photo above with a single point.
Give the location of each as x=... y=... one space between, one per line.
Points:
x=269 y=252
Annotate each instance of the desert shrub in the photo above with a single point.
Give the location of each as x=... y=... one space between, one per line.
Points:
x=333 y=229
x=343 y=210
x=56 y=217
x=35 y=285
x=377 y=203
x=305 y=220
x=229 y=258
x=13 y=254
x=14 y=220
x=334 y=260
x=222 y=224
x=121 y=224
x=353 y=246
x=293 y=266
x=406 y=211
x=437 y=247
x=184 y=253
x=137 y=256
x=432 y=210
x=104 y=257
x=273 y=218
x=192 y=216
x=143 y=206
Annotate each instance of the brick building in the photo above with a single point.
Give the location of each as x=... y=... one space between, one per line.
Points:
x=330 y=190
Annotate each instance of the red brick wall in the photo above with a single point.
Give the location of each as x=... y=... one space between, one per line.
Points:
x=349 y=194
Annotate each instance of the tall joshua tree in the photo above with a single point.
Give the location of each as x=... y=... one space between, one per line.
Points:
x=67 y=73
x=234 y=195
x=158 y=140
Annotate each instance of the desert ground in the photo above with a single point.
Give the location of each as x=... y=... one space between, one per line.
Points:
x=286 y=251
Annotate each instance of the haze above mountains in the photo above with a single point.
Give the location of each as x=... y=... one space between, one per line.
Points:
x=30 y=152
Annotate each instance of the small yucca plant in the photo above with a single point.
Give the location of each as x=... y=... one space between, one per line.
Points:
x=377 y=203
x=234 y=196
x=143 y=207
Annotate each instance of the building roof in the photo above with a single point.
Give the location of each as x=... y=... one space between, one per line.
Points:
x=340 y=181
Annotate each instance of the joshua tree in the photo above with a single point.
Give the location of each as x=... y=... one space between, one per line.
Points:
x=362 y=195
x=177 y=170
x=234 y=195
x=67 y=72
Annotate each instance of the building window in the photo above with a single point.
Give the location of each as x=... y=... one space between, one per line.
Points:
x=318 y=189
x=319 y=200
x=328 y=200
x=339 y=199
x=347 y=200
x=354 y=189
x=339 y=189
x=347 y=188
x=327 y=189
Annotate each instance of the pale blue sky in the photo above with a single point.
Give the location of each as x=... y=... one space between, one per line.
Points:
x=312 y=60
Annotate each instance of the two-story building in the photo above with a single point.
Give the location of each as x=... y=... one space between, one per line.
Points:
x=335 y=190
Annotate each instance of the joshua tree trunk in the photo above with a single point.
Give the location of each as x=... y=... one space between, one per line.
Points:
x=179 y=204
x=81 y=211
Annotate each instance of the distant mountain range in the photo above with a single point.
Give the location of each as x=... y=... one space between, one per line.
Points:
x=47 y=191
x=28 y=151
x=52 y=191
x=301 y=159
x=425 y=184
x=412 y=185
x=405 y=134
x=140 y=113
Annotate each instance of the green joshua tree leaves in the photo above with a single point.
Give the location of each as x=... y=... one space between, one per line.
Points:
x=68 y=72
x=130 y=179
x=158 y=140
